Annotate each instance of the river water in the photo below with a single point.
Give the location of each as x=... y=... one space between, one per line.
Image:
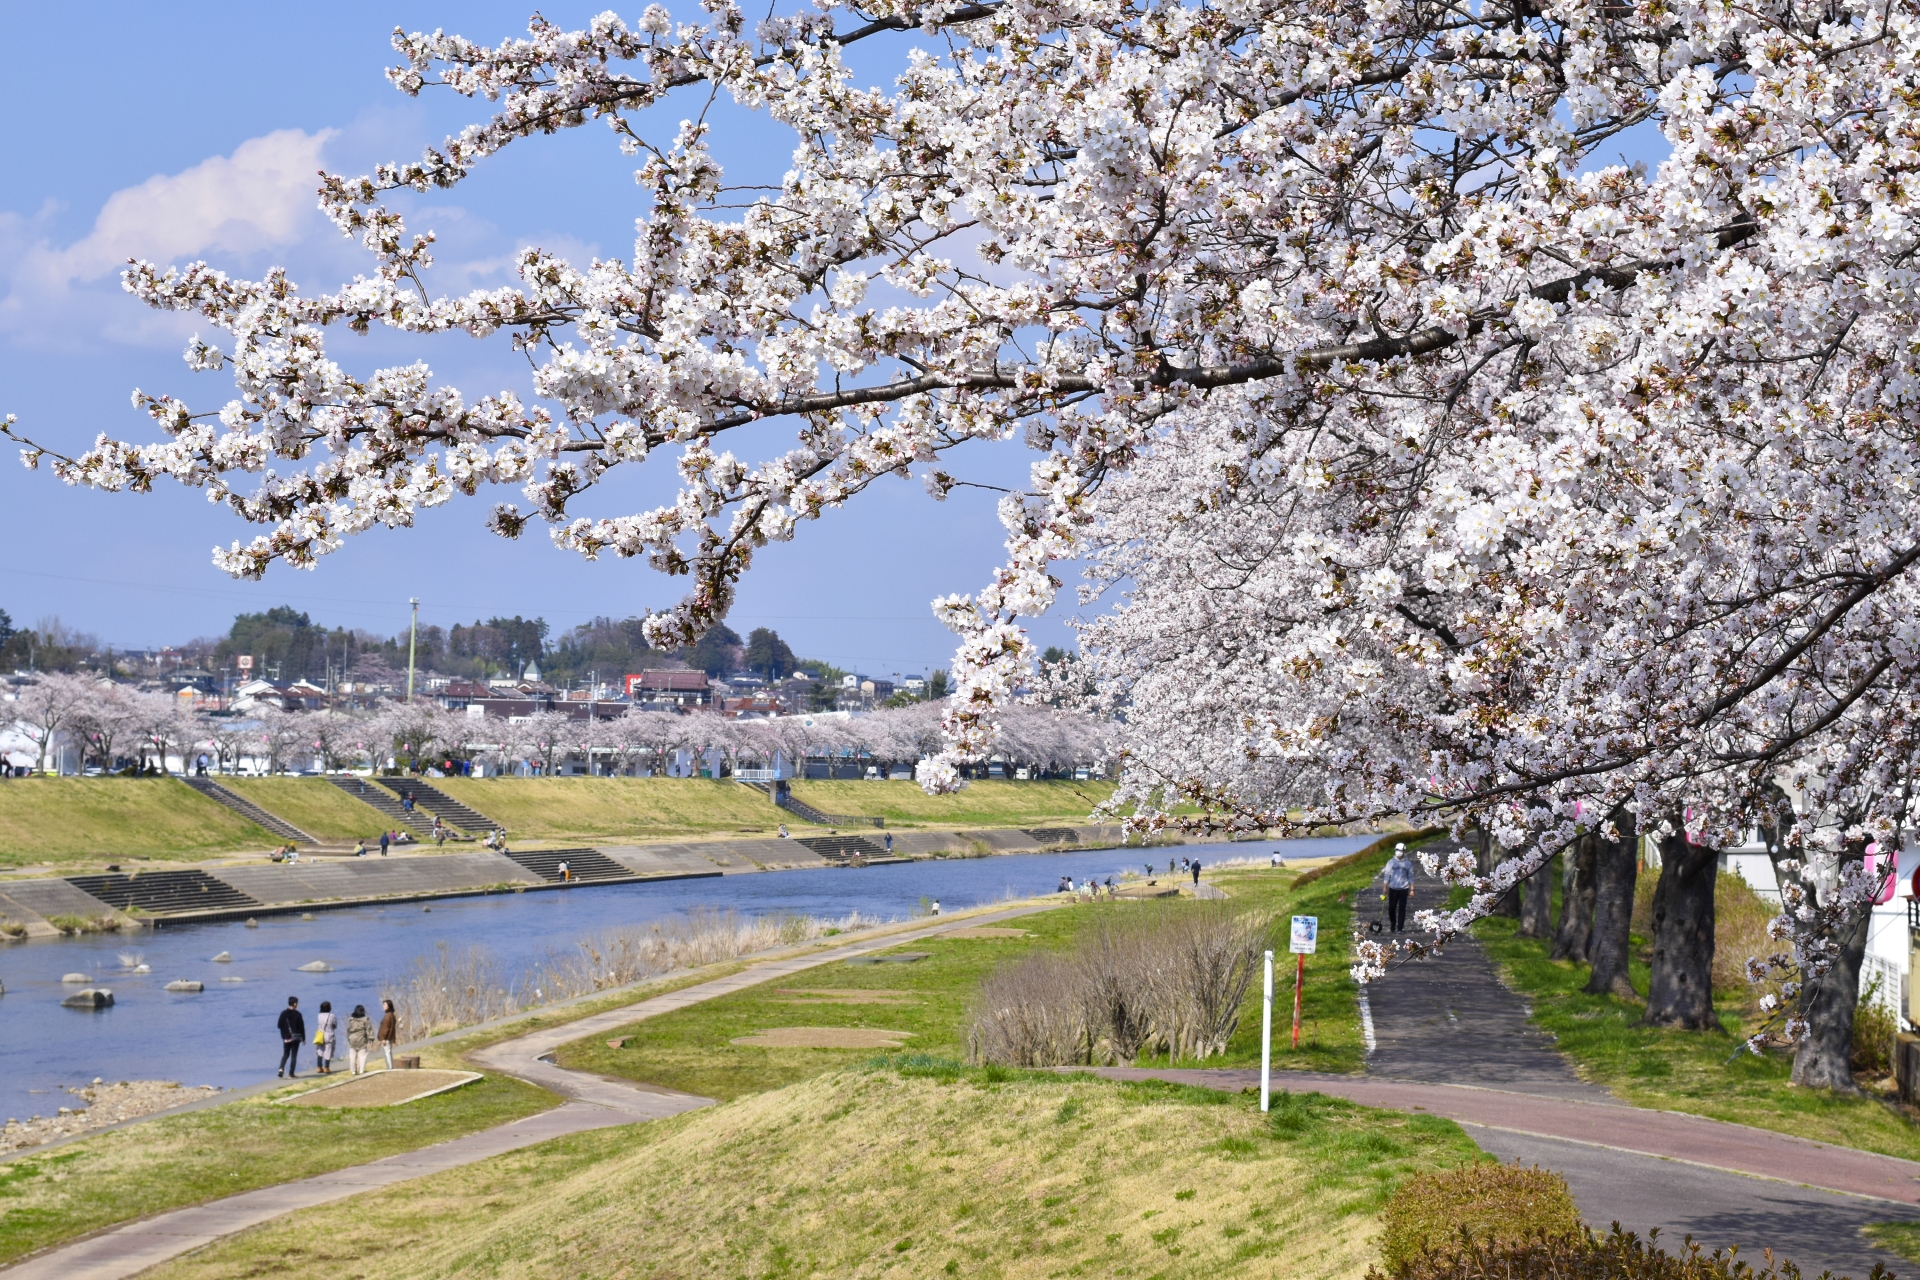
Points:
x=226 y=1034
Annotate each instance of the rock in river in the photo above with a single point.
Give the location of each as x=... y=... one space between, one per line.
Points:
x=186 y=984
x=315 y=966
x=225 y=957
x=91 y=998
x=79 y=979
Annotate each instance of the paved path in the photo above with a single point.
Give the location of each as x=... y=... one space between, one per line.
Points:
x=1646 y=1169
x=592 y=1102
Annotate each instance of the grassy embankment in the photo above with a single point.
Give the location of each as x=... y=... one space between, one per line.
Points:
x=1702 y=1073
x=693 y=1049
x=181 y=1160
x=79 y=824
x=897 y=1170
x=314 y=805
x=558 y=810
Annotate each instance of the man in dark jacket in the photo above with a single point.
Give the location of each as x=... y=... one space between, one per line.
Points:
x=293 y=1030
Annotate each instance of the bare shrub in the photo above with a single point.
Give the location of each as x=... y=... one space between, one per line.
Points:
x=1160 y=979
x=451 y=989
x=1031 y=1013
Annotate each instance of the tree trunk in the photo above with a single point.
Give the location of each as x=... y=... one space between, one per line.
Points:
x=1823 y=1059
x=1536 y=903
x=1615 y=866
x=1576 y=901
x=1680 y=986
x=1491 y=856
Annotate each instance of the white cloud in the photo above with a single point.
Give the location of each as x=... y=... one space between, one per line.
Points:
x=259 y=198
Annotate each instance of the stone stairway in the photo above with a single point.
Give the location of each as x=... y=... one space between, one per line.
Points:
x=249 y=810
x=782 y=796
x=386 y=802
x=585 y=864
x=842 y=848
x=442 y=805
x=164 y=892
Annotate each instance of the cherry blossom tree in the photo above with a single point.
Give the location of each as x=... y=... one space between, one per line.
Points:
x=47 y=707
x=1477 y=474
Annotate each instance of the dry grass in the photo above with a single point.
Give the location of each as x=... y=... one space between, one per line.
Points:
x=1142 y=980
x=74 y=821
x=889 y=1174
x=462 y=987
x=314 y=805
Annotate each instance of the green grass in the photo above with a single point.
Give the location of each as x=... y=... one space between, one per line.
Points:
x=1702 y=1073
x=314 y=805
x=635 y=809
x=186 y=1159
x=1902 y=1238
x=981 y=804
x=692 y=1049
x=1330 y=1038
x=616 y=809
x=73 y=822
x=897 y=1171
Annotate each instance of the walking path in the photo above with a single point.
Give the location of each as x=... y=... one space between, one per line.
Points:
x=1452 y=1041
x=592 y=1102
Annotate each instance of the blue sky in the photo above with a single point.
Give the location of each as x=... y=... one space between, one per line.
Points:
x=174 y=134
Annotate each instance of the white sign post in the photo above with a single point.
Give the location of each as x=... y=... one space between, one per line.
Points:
x=1266 y=1034
x=1304 y=941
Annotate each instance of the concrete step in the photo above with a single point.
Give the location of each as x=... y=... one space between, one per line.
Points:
x=249 y=810
x=442 y=805
x=583 y=864
x=386 y=802
x=163 y=892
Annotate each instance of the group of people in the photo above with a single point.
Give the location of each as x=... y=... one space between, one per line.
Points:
x=496 y=840
x=361 y=1035
x=1088 y=888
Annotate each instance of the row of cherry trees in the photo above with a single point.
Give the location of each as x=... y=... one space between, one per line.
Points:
x=110 y=723
x=1433 y=460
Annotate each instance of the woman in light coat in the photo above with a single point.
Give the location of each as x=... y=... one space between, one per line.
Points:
x=326 y=1037
x=359 y=1038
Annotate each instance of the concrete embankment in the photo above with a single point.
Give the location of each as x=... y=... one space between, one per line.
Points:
x=230 y=892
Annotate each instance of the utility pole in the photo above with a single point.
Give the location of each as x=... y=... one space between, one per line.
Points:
x=413 y=635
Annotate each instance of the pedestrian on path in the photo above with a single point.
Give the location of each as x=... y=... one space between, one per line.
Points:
x=889 y=844
x=384 y=837
x=1399 y=879
x=1196 y=873
x=326 y=1037
x=293 y=1029
x=389 y=1030
x=359 y=1036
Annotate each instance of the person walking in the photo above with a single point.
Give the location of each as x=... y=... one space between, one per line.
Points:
x=1399 y=881
x=1196 y=873
x=389 y=1030
x=566 y=873
x=889 y=844
x=293 y=1030
x=326 y=1037
x=359 y=1036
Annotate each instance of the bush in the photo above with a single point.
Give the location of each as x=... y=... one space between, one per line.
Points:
x=70 y=924
x=1143 y=980
x=1491 y=1205
x=1875 y=1026
x=1618 y=1255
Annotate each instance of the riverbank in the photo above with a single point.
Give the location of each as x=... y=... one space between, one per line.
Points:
x=231 y=890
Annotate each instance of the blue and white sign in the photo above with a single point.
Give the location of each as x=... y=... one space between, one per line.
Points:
x=1306 y=935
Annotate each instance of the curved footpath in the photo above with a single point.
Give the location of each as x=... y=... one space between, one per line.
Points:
x=592 y=1102
x=1487 y=1070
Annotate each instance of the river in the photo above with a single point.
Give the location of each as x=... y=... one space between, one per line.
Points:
x=226 y=1034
